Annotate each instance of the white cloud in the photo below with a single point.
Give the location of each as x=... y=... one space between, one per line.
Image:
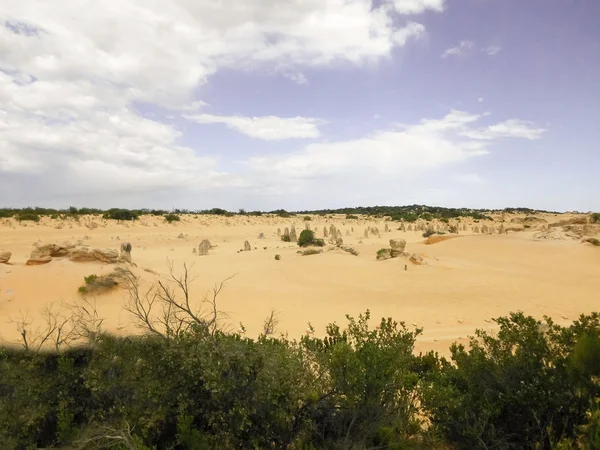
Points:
x=460 y=50
x=71 y=84
x=492 y=50
x=411 y=148
x=297 y=77
x=418 y=6
x=480 y=99
x=268 y=128
x=512 y=128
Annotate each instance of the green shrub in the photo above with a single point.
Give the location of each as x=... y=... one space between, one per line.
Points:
x=595 y=217
x=307 y=218
x=82 y=289
x=28 y=217
x=351 y=216
x=453 y=229
x=120 y=214
x=90 y=278
x=285 y=238
x=306 y=238
x=172 y=218
x=525 y=386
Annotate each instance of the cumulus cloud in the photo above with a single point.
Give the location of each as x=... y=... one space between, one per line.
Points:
x=409 y=148
x=418 y=6
x=512 y=128
x=268 y=128
x=70 y=83
x=460 y=50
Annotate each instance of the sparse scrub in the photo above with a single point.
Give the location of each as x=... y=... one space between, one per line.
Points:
x=593 y=241
x=120 y=214
x=172 y=218
x=453 y=229
x=286 y=238
x=95 y=284
x=28 y=217
x=351 y=217
x=277 y=257
x=595 y=217
x=311 y=251
x=307 y=218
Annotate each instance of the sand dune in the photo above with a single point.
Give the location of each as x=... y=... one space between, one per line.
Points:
x=463 y=283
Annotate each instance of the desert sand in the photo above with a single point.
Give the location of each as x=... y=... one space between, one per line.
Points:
x=463 y=283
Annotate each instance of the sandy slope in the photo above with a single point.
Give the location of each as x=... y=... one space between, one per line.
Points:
x=466 y=281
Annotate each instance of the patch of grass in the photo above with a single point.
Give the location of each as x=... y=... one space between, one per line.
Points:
x=311 y=251
x=82 y=290
x=172 y=218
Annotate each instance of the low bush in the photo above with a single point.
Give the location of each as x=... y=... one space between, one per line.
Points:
x=307 y=218
x=28 y=217
x=351 y=216
x=286 y=238
x=120 y=214
x=306 y=238
x=595 y=217
x=277 y=257
x=172 y=218
x=311 y=251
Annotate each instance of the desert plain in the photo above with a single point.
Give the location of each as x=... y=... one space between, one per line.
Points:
x=540 y=265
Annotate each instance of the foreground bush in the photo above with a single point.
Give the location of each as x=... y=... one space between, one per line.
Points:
x=307 y=237
x=532 y=386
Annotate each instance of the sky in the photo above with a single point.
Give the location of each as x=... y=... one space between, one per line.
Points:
x=300 y=104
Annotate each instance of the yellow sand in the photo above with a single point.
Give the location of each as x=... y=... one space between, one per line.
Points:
x=464 y=282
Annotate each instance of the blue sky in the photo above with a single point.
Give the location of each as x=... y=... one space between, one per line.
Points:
x=300 y=104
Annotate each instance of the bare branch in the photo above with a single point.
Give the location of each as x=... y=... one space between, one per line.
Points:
x=177 y=314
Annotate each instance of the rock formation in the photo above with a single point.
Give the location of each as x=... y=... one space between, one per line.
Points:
x=204 y=247
x=293 y=236
x=325 y=232
x=366 y=233
x=416 y=259
x=125 y=252
x=86 y=254
x=247 y=247
x=397 y=246
x=261 y=235
x=387 y=228
x=410 y=227
x=278 y=231
x=5 y=257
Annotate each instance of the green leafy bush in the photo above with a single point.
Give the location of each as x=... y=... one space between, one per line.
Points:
x=120 y=214
x=306 y=238
x=526 y=386
x=172 y=218
x=595 y=217
x=285 y=238
x=307 y=218
x=351 y=217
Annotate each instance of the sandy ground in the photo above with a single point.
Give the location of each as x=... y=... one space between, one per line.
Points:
x=466 y=280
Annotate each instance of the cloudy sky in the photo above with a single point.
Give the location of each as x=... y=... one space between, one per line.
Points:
x=300 y=104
